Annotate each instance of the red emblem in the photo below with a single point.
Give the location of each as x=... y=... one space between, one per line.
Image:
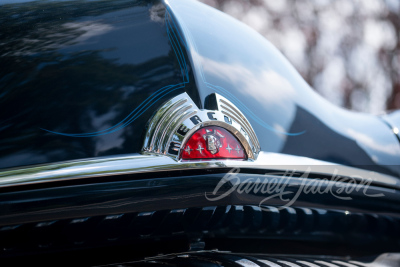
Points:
x=213 y=142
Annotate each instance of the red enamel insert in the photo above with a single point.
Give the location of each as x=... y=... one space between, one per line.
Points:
x=213 y=142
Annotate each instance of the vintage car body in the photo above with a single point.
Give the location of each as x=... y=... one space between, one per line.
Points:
x=83 y=87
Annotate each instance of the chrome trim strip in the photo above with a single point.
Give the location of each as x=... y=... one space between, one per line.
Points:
x=137 y=163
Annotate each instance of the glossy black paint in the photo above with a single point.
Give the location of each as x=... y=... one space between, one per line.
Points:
x=82 y=68
x=78 y=68
x=121 y=194
x=393 y=120
x=287 y=115
x=120 y=212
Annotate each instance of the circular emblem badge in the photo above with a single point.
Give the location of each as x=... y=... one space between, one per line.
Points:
x=183 y=132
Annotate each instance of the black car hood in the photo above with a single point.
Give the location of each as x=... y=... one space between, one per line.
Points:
x=81 y=79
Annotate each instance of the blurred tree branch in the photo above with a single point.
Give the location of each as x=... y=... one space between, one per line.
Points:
x=347 y=50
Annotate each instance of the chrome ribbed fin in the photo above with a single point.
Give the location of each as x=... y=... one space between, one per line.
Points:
x=175 y=121
x=166 y=122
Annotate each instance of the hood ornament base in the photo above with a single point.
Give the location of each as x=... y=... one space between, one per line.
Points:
x=175 y=122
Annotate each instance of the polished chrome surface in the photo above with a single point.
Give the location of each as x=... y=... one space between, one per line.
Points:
x=175 y=122
x=229 y=109
x=136 y=163
x=165 y=122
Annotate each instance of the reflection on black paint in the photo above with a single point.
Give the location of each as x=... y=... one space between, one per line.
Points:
x=80 y=67
x=61 y=71
x=327 y=145
x=236 y=62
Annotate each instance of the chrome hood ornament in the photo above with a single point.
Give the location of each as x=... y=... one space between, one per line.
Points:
x=175 y=122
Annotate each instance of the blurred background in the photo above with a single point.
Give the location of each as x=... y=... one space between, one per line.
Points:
x=347 y=50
